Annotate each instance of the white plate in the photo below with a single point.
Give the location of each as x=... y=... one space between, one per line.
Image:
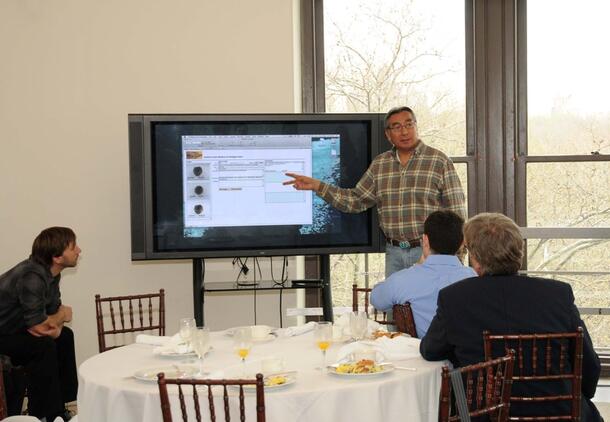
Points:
x=172 y=354
x=385 y=368
x=150 y=374
x=269 y=337
x=231 y=331
x=290 y=379
x=343 y=339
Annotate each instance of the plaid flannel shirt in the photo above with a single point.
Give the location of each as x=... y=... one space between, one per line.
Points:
x=404 y=195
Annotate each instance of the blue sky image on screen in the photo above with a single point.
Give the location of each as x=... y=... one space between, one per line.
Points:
x=326 y=167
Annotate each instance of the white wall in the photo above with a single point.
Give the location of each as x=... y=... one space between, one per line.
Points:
x=70 y=72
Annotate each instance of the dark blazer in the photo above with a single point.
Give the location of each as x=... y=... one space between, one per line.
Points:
x=507 y=304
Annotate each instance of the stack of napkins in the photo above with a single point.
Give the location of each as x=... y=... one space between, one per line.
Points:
x=165 y=344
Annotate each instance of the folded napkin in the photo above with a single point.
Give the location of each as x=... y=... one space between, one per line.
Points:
x=165 y=344
x=180 y=349
x=296 y=331
x=389 y=349
x=398 y=348
x=153 y=340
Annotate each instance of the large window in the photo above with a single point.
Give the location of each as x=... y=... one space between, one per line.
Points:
x=516 y=98
x=381 y=54
x=567 y=175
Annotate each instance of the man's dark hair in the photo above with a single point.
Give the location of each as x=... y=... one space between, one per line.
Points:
x=50 y=243
x=444 y=231
x=397 y=110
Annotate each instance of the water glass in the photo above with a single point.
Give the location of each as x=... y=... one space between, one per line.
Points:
x=187 y=326
x=358 y=324
x=200 y=341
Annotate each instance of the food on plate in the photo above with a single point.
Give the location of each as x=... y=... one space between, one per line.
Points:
x=275 y=380
x=378 y=334
x=363 y=366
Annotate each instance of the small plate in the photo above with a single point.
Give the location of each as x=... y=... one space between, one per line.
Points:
x=231 y=331
x=385 y=368
x=150 y=374
x=268 y=337
x=172 y=354
x=290 y=379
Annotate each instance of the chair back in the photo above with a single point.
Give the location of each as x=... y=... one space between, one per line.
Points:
x=129 y=314
x=402 y=314
x=403 y=319
x=491 y=380
x=209 y=383
x=548 y=358
x=364 y=292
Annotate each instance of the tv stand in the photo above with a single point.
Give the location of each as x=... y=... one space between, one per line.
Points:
x=200 y=288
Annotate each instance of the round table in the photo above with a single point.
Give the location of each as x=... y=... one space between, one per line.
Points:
x=109 y=392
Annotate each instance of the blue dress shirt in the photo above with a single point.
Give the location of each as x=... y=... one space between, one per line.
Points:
x=419 y=285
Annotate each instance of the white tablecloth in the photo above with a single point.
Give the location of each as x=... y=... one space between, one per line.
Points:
x=108 y=391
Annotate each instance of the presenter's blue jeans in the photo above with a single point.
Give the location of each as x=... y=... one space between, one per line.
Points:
x=397 y=259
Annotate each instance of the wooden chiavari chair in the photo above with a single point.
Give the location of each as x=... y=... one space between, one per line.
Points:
x=487 y=390
x=543 y=358
x=129 y=314
x=209 y=384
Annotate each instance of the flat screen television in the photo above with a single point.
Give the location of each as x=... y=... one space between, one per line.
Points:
x=210 y=185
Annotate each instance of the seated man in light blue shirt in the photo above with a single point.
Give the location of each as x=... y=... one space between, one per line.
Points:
x=420 y=283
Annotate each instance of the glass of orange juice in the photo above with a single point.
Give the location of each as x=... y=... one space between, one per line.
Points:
x=242 y=343
x=323 y=335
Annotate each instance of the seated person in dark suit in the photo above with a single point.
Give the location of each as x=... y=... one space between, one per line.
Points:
x=32 y=317
x=420 y=283
x=503 y=302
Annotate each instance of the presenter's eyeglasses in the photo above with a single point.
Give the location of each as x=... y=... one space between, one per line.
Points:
x=397 y=127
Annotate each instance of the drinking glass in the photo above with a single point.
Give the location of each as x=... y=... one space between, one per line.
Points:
x=200 y=341
x=187 y=326
x=358 y=324
x=242 y=343
x=323 y=335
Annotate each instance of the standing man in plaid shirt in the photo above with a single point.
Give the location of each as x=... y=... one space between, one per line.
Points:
x=407 y=183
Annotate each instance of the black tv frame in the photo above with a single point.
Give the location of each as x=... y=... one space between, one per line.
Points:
x=141 y=185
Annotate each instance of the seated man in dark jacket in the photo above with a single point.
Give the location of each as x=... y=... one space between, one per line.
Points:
x=503 y=302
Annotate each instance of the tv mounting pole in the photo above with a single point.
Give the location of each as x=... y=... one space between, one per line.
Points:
x=327 y=298
x=198 y=290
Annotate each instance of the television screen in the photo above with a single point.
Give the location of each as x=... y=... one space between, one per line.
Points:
x=212 y=185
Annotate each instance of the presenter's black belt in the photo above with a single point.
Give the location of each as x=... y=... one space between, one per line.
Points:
x=404 y=244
